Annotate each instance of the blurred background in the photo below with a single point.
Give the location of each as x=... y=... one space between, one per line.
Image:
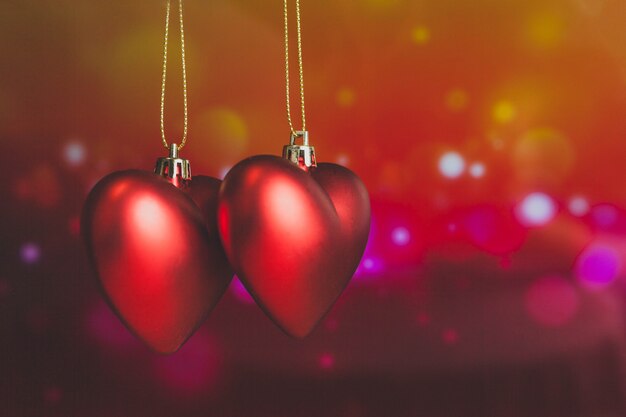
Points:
x=490 y=134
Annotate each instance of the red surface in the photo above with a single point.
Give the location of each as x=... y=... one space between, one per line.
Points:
x=158 y=265
x=293 y=238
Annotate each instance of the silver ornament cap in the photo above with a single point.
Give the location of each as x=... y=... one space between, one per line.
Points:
x=173 y=168
x=301 y=155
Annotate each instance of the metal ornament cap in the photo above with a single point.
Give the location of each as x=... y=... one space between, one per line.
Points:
x=294 y=238
x=173 y=168
x=303 y=155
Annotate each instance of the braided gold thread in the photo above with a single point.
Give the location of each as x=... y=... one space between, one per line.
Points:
x=300 y=66
x=164 y=75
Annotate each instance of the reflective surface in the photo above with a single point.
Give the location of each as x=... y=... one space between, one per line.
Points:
x=293 y=238
x=156 y=254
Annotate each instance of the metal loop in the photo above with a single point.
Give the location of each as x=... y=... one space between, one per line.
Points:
x=299 y=134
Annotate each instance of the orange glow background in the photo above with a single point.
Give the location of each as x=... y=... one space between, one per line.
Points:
x=491 y=136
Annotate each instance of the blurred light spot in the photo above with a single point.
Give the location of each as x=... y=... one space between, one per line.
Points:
x=536 y=209
x=497 y=143
x=331 y=324
x=41 y=185
x=420 y=35
x=52 y=395
x=400 y=236
x=546 y=30
x=578 y=206
x=392 y=175
x=597 y=267
x=240 y=292
x=30 y=253
x=368 y=263
x=129 y=58
x=326 y=361
x=73 y=225
x=423 y=319
x=477 y=169
x=441 y=200
x=451 y=164
x=604 y=215
x=343 y=159
x=345 y=97
x=74 y=153
x=504 y=112
x=592 y=7
x=494 y=229
x=369 y=266
x=456 y=100
x=192 y=370
x=226 y=134
x=450 y=336
x=551 y=301
x=543 y=156
x=107 y=330
x=352 y=408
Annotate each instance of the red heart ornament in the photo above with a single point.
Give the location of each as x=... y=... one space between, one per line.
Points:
x=294 y=238
x=157 y=253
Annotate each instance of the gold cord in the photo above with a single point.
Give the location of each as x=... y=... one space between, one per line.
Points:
x=163 y=79
x=293 y=131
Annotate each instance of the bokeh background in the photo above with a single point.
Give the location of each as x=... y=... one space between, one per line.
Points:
x=490 y=134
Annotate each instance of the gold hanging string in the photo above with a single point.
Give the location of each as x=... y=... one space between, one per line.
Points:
x=163 y=78
x=298 y=27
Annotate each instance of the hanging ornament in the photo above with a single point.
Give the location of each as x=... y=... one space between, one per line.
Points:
x=294 y=230
x=152 y=239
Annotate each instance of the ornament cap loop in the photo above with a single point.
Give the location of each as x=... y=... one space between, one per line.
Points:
x=301 y=155
x=304 y=134
x=173 y=168
x=174 y=150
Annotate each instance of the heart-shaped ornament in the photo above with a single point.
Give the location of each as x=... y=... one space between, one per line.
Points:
x=157 y=253
x=293 y=237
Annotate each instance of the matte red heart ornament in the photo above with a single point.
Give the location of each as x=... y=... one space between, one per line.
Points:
x=157 y=253
x=294 y=237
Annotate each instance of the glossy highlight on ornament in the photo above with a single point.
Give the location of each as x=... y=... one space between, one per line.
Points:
x=294 y=237
x=156 y=253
